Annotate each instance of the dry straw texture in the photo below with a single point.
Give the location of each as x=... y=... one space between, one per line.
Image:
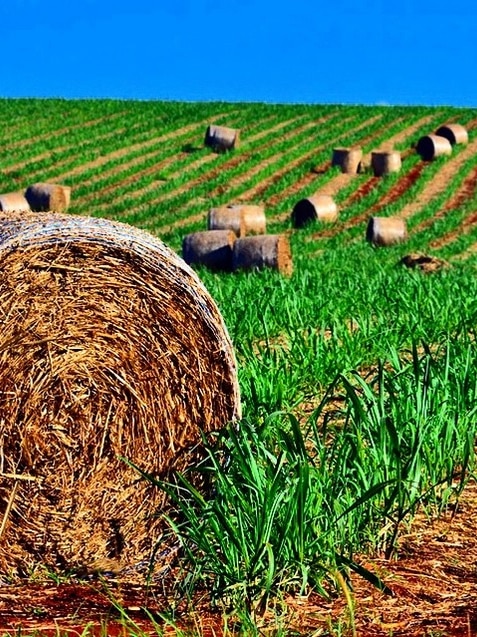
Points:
x=48 y=197
x=384 y=162
x=13 y=202
x=221 y=138
x=110 y=346
x=431 y=146
x=212 y=248
x=263 y=251
x=243 y=219
x=315 y=208
x=386 y=231
x=348 y=159
x=455 y=133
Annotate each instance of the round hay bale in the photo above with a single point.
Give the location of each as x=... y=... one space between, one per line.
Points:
x=455 y=133
x=431 y=146
x=221 y=138
x=110 y=348
x=48 y=197
x=263 y=251
x=348 y=159
x=386 y=231
x=243 y=219
x=212 y=248
x=14 y=202
x=385 y=162
x=318 y=207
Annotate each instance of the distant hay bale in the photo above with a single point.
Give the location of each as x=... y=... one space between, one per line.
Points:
x=212 y=248
x=48 y=197
x=221 y=138
x=424 y=262
x=243 y=219
x=110 y=348
x=263 y=251
x=454 y=133
x=431 y=146
x=386 y=231
x=14 y=202
x=315 y=208
x=348 y=159
x=385 y=162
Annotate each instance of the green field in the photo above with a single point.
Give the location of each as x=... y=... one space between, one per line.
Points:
x=358 y=375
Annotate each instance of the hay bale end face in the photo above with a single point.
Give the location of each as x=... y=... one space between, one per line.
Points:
x=263 y=251
x=110 y=348
x=454 y=133
x=14 y=202
x=431 y=146
x=348 y=159
x=384 y=162
x=211 y=248
x=221 y=138
x=386 y=231
x=243 y=219
x=316 y=208
x=48 y=197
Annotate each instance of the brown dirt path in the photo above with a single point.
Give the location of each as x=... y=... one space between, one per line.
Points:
x=432 y=580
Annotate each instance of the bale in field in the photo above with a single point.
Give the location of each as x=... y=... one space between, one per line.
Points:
x=385 y=162
x=243 y=219
x=110 y=348
x=212 y=248
x=263 y=251
x=431 y=146
x=315 y=208
x=386 y=231
x=348 y=159
x=221 y=138
x=48 y=197
x=454 y=133
x=13 y=202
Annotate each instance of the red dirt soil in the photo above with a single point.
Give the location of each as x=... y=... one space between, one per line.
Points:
x=433 y=579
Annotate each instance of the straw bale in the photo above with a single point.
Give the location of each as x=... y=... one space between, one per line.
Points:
x=348 y=159
x=263 y=251
x=110 y=348
x=386 y=231
x=432 y=146
x=48 y=197
x=221 y=138
x=315 y=208
x=455 y=133
x=212 y=248
x=243 y=219
x=385 y=162
x=14 y=202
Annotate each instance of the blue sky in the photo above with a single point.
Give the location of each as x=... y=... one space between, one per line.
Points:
x=249 y=50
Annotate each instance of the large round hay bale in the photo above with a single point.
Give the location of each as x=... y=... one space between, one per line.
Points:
x=110 y=348
x=243 y=219
x=386 y=231
x=455 y=133
x=221 y=138
x=14 y=202
x=385 y=162
x=263 y=251
x=212 y=248
x=48 y=197
x=431 y=146
x=348 y=159
x=315 y=208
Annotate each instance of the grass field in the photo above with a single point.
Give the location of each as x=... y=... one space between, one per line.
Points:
x=358 y=375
